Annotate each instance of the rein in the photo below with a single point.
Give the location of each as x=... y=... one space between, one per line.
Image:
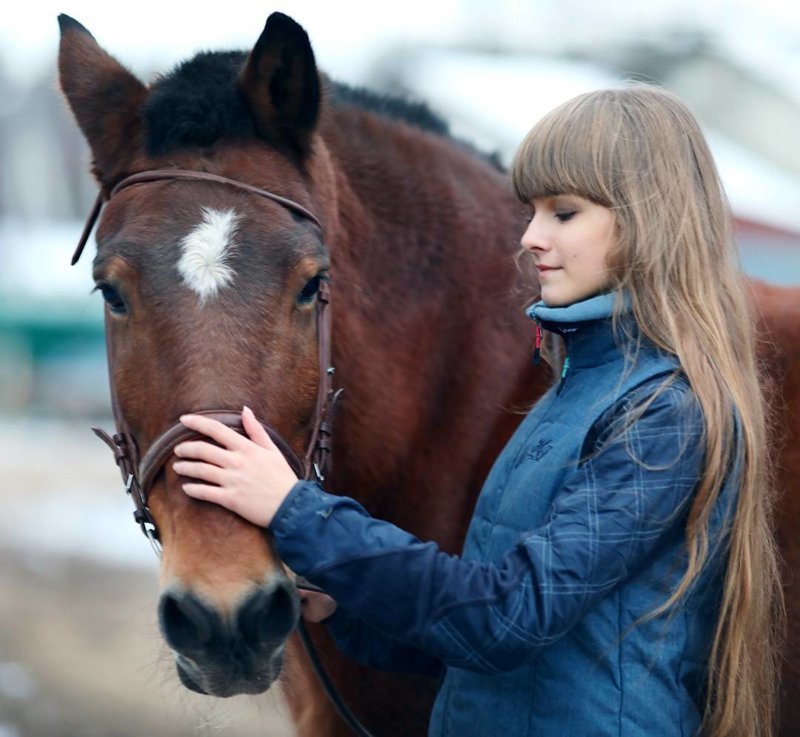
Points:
x=139 y=473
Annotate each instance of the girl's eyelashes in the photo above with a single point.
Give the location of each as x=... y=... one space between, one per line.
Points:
x=563 y=213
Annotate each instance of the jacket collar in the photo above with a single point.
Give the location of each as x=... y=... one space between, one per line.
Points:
x=586 y=327
x=587 y=310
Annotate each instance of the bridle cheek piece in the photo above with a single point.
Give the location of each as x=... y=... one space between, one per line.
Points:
x=139 y=475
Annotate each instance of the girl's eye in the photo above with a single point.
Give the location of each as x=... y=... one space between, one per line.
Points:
x=565 y=216
x=309 y=291
x=113 y=300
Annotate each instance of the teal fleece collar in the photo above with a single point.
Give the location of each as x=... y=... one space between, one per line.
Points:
x=587 y=310
x=586 y=327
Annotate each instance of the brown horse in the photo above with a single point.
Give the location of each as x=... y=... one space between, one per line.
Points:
x=210 y=294
x=779 y=311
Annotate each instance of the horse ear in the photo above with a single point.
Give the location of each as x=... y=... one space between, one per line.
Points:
x=281 y=84
x=105 y=98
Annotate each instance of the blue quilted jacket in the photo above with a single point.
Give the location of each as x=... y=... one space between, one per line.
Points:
x=578 y=533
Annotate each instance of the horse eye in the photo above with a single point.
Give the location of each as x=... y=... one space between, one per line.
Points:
x=115 y=303
x=309 y=291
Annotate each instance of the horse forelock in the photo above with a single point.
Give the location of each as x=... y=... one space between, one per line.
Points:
x=197 y=104
x=200 y=102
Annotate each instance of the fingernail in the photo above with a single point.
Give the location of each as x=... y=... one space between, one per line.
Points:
x=245 y=408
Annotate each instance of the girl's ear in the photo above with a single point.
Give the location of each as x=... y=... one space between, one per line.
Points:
x=105 y=98
x=281 y=84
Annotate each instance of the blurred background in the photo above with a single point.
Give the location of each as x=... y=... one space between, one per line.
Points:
x=80 y=654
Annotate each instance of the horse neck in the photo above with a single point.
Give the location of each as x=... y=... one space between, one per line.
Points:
x=428 y=344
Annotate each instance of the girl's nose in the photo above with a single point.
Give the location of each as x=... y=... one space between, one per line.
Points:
x=533 y=239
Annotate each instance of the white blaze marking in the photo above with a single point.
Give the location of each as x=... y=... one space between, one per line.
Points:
x=203 y=264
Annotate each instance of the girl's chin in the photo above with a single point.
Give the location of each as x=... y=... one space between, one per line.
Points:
x=559 y=297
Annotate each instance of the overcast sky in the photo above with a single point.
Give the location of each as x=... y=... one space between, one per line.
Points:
x=346 y=34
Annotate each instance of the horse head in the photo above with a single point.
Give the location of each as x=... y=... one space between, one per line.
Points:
x=210 y=294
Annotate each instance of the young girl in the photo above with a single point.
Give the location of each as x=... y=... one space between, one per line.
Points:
x=619 y=575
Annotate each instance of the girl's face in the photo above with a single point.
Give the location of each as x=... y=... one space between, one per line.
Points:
x=569 y=238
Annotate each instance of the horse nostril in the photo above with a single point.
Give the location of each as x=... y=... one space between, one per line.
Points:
x=268 y=616
x=186 y=622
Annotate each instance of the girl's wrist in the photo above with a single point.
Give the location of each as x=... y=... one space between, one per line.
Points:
x=284 y=509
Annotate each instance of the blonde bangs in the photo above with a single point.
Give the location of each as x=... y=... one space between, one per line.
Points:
x=572 y=150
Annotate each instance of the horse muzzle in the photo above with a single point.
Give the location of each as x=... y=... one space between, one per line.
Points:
x=238 y=653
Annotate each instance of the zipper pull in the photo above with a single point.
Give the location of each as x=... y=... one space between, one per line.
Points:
x=563 y=376
x=537 y=348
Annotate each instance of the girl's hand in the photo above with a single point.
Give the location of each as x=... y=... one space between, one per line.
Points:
x=316 y=606
x=247 y=475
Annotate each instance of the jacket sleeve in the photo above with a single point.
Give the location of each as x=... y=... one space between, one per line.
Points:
x=366 y=645
x=613 y=512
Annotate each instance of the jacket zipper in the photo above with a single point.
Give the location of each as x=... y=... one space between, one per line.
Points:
x=563 y=375
x=537 y=356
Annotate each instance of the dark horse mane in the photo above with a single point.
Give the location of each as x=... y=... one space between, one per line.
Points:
x=199 y=103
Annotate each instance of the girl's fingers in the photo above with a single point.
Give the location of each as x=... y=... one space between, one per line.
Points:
x=201 y=471
x=206 y=493
x=223 y=434
x=255 y=430
x=200 y=450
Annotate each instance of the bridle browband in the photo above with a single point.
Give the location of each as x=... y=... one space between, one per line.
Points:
x=158 y=175
x=139 y=474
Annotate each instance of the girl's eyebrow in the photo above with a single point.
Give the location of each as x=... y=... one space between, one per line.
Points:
x=567 y=196
x=554 y=202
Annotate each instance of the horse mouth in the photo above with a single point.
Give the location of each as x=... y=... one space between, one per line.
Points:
x=188 y=681
x=223 y=682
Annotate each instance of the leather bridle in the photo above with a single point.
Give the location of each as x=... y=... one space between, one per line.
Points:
x=139 y=473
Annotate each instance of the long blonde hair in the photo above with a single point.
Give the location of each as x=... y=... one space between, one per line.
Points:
x=639 y=151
